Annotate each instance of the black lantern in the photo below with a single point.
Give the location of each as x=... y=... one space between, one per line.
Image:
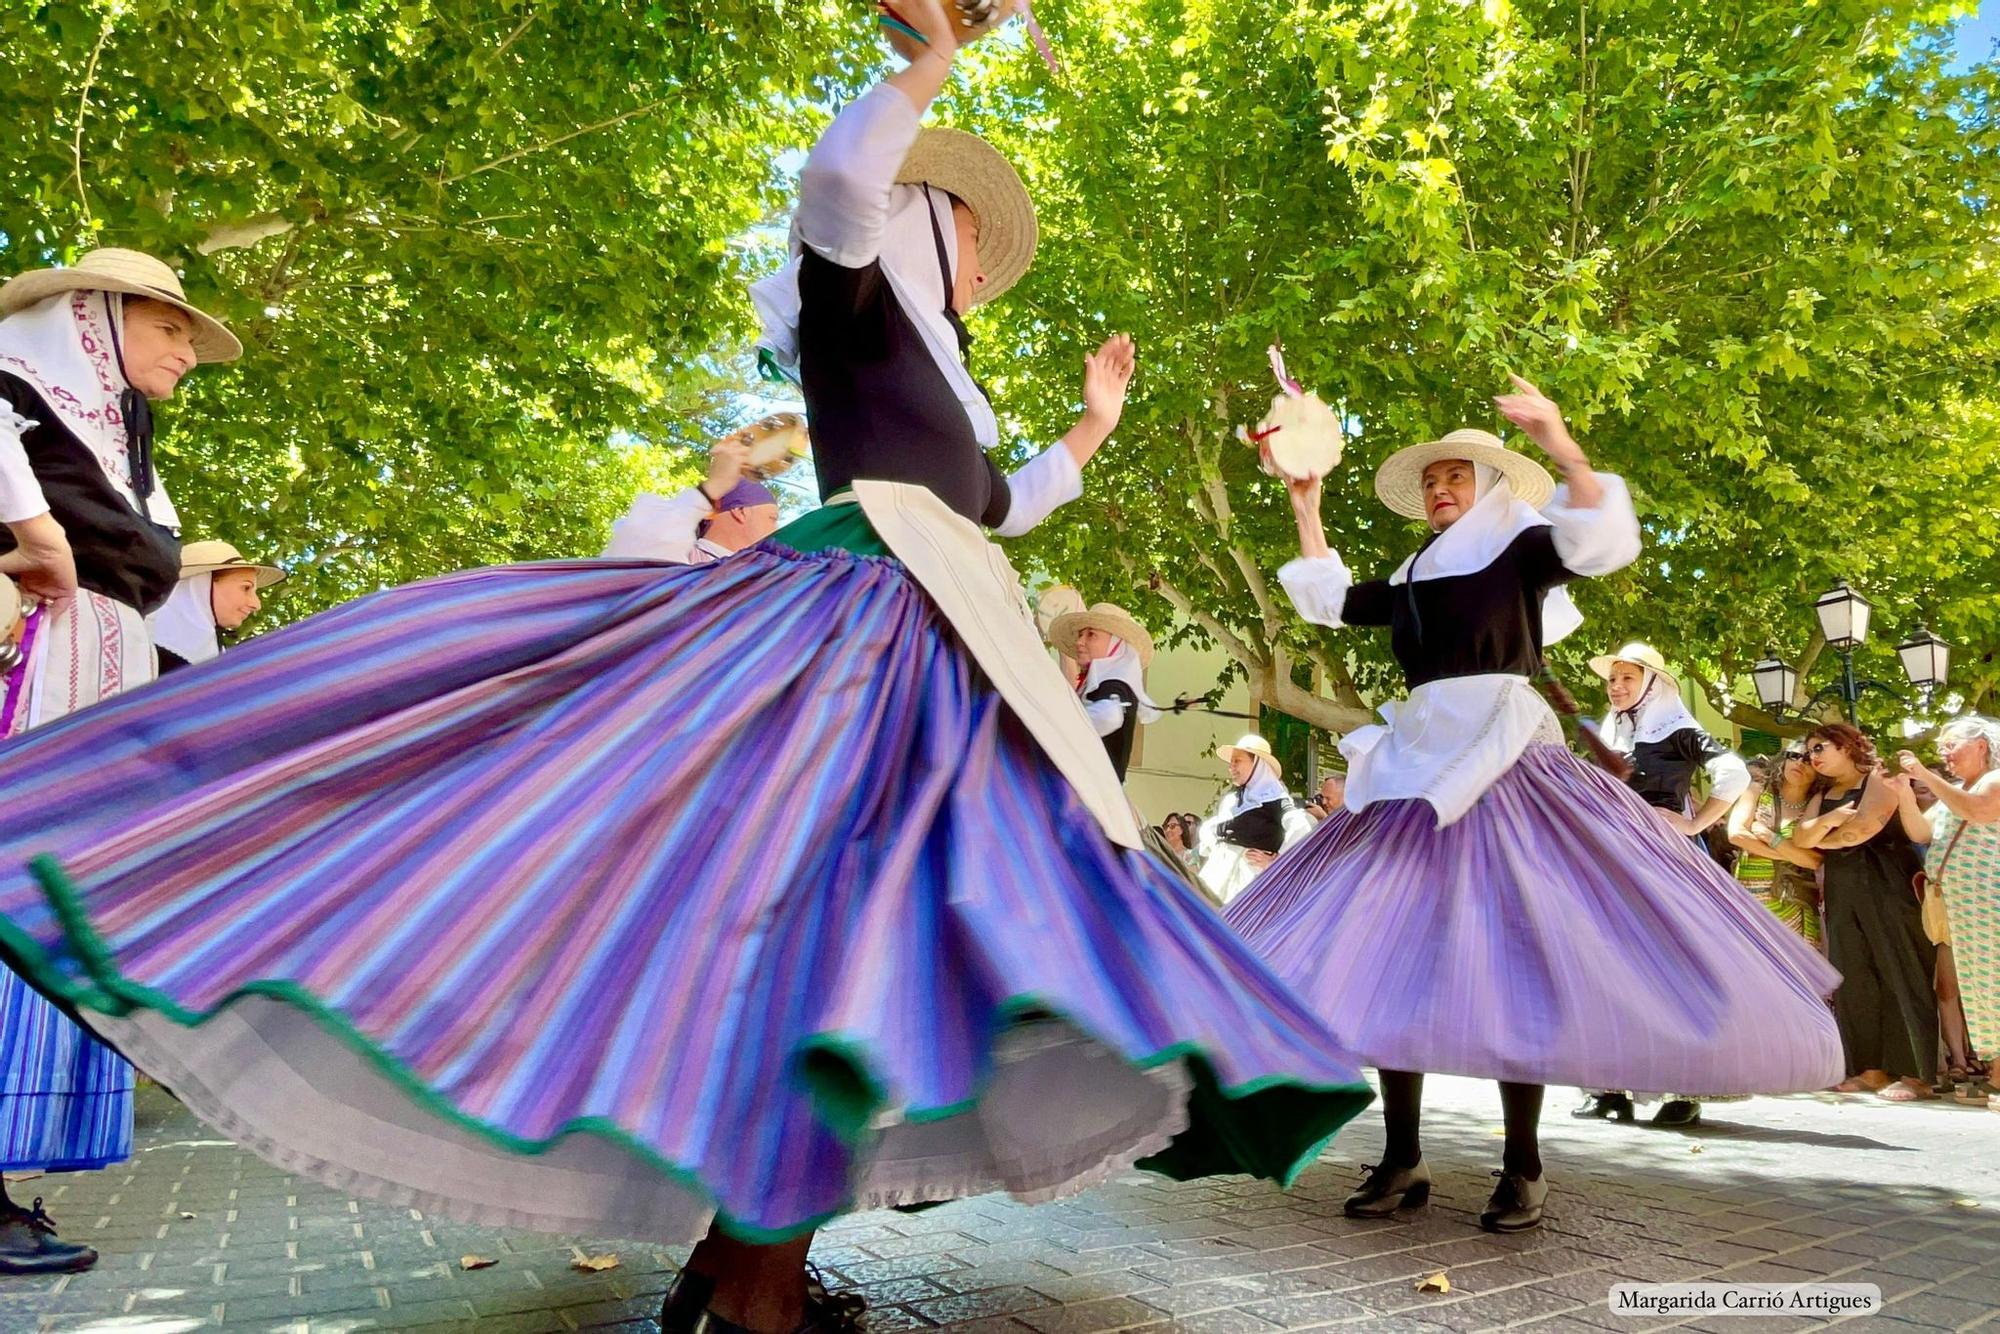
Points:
x=1926 y=659
x=1843 y=616
x=1777 y=684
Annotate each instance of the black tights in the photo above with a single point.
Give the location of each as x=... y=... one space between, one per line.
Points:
x=1403 y=1110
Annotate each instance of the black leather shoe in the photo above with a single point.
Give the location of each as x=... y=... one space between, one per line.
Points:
x=1388 y=1189
x=1516 y=1205
x=685 y=1310
x=1604 y=1107
x=28 y=1245
x=1678 y=1112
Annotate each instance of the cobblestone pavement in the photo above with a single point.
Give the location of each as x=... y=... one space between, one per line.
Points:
x=196 y=1234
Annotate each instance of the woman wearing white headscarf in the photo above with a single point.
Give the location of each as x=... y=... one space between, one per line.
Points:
x=1113 y=650
x=1488 y=904
x=1253 y=820
x=1653 y=728
x=91 y=537
x=218 y=591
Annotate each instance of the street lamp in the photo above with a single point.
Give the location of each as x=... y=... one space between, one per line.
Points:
x=1843 y=617
x=1926 y=659
x=1777 y=683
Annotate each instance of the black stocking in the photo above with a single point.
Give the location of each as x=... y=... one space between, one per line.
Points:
x=1402 y=1113
x=1521 y=1106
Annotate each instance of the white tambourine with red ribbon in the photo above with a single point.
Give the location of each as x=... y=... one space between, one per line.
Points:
x=975 y=18
x=1300 y=437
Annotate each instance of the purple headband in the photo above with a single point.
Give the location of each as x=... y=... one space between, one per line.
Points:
x=746 y=495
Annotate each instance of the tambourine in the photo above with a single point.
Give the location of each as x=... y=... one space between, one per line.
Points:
x=1299 y=438
x=775 y=443
x=975 y=18
x=13 y=620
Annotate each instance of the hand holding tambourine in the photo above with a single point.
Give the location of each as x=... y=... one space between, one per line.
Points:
x=908 y=23
x=761 y=450
x=1299 y=438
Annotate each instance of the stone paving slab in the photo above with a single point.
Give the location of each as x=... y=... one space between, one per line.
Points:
x=198 y=1235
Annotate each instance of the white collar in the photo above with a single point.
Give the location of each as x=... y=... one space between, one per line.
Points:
x=1122 y=665
x=1480 y=537
x=1264 y=786
x=1659 y=714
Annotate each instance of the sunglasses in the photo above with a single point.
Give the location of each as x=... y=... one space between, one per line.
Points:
x=1820 y=747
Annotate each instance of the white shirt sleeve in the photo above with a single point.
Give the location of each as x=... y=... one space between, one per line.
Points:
x=1317 y=586
x=660 y=527
x=1728 y=776
x=1038 y=488
x=1106 y=715
x=1598 y=540
x=20 y=493
x=849 y=177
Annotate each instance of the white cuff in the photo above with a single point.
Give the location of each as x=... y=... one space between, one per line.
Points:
x=1038 y=487
x=20 y=492
x=1728 y=776
x=660 y=527
x=1600 y=539
x=1317 y=586
x=849 y=177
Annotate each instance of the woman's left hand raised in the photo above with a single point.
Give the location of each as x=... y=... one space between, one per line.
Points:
x=1107 y=374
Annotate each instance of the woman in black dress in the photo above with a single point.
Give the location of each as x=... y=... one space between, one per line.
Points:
x=1865 y=823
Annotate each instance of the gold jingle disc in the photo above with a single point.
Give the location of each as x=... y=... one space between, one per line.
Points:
x=775 y=443
x=13 y=620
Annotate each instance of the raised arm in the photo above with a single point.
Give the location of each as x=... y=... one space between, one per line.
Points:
x=1054 y=477
x=1978 y=804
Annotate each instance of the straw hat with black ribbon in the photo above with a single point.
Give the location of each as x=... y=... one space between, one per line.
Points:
x=131 y=273
x=1111 y=619
x=1400 y=479
x=215 y=556
x=972 y=171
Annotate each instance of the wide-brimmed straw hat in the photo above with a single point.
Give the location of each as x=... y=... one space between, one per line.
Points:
x=1400 y=479
x=1252 y=745
x=214 y=556
x=1639 y=655
x=973 y=171
x=1105 y=616
x=132 y=273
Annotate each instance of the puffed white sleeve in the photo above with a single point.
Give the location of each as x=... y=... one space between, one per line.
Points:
x=1317 y=586
x=1600 y=539
x=1106 y=715
x=1038 y=488
x=20 y=492
x=660 y=527
x=1728 y=776
x=849 y=178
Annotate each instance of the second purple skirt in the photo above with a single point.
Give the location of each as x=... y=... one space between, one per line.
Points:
x=1557 y=934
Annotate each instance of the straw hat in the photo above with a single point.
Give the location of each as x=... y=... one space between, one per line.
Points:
x=1639 y=655
x=1400 y=479
x=1105 y=616
x=972 y=171
x=1252 y=745
x=130 y=272
x=212 y=557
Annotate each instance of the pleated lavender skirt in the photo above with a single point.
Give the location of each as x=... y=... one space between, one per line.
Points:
x=606 y=896
x=1557 y=934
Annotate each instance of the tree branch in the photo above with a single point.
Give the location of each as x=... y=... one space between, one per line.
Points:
x=556 y=142
x=83 y=111
x=515 y=35
x=243 y=235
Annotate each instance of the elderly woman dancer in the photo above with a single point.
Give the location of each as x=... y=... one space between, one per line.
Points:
x=505 y=907
x=91 y=535
x=1963 y=863
x=1488 y=904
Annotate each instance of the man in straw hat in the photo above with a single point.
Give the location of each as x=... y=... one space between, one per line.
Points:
x=91 y=539
x=1249 y=826
x=1113 y=651
x=1490 y=905
x=724 y=514
x=218 y=591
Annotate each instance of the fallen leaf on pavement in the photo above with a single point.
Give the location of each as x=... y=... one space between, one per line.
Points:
x=186 y=1214
x=1435 y=1283
x=1694 y=1148
x=476 y=1262
x=1966 y=1204
x=594 y=1264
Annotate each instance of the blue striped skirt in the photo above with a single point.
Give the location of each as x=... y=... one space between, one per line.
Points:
x=608 y=896
x=65 y=1097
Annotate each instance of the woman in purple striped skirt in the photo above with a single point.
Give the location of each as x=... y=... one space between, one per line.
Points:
x=1487 y=904
x=488 y=895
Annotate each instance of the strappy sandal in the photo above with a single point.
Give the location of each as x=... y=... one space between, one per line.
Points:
x=1903 y=1091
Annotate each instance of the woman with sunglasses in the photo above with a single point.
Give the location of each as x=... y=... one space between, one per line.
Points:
x=1766 y=831
x=1863 y=820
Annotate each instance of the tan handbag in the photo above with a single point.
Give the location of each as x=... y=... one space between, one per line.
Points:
x=1937 y=923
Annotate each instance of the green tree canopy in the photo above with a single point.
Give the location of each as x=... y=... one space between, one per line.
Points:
x=1748 y=247
x=472 y=245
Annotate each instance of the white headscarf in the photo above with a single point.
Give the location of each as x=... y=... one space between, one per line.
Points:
x=1264 y=785
x=1659 y=712
x=1122 y=664
x=66 y=348
x=185 y=624
x=908 y=257
x=1476 y=540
